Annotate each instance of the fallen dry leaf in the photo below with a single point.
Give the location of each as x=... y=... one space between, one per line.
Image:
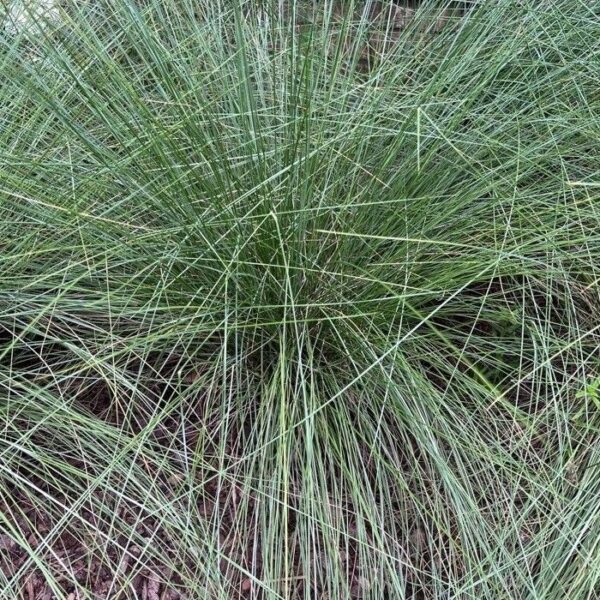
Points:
x=6 y=542
x=153 y=587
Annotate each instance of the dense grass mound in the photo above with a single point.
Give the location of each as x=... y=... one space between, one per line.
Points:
x=289 y=313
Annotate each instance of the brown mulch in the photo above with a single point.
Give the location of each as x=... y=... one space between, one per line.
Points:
x=76 y=572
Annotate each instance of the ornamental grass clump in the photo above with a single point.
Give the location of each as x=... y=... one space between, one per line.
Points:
x=286 y=312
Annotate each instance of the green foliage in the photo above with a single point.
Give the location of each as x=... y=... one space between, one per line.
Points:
x=591 y=392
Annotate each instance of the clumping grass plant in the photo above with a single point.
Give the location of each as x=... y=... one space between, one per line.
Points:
x=285 y=313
